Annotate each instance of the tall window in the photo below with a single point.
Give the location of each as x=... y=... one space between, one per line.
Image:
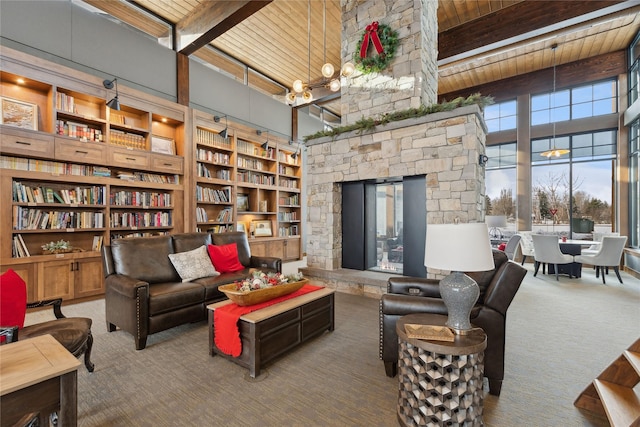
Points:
x=571 y=191
x=500 y=182
x=634 y=184
x=501 y=116
x=583 y=101
x=634 y=70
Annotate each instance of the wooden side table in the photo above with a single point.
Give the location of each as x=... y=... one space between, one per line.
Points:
x=38 y=375
x=440 y=382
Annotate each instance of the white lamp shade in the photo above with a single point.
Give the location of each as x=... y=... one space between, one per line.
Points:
x=496 y=220
x=298 y=86
x=458 y=247
x=334 y=85
x=328 y=70
x=347 y=69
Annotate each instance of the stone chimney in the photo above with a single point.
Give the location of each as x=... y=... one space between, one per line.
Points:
x=411 y=78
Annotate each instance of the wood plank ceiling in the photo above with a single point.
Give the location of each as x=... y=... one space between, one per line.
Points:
x=480 y=41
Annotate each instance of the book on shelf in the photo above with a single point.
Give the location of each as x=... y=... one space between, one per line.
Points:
x=97 y=243
x=20 y=248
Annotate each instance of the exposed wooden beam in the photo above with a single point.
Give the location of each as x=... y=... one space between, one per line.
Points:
x=182 y=66
x=519 y=19
x=211 y=19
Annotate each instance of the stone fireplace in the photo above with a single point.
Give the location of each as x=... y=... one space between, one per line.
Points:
x=444 y=147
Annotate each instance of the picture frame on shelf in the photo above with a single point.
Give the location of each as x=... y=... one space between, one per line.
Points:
x=18 y=113
x=163 y=145
x=242 y=202
x=241 y=226
x=262 y=228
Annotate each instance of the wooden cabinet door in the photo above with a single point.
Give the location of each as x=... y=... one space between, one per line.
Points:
x=292 y=249
x=276 y=249
x=55 y=279
x=258 y=248
x=27 y=273
x=88 y=278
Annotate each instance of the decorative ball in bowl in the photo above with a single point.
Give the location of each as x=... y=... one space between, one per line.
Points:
x=261 y=287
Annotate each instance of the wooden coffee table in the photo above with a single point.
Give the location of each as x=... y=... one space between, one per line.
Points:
x=38 y=375
x=274 y=330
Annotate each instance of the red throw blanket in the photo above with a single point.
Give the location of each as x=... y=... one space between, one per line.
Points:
x=225 y=320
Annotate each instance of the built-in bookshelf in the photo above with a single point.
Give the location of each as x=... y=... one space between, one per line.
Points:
x=76 y=174
x=214 y=174
x=261 y=176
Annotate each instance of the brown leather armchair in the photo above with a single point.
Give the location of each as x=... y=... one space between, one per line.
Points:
x=407 y=295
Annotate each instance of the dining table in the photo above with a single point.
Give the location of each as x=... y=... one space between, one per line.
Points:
x=571 y=247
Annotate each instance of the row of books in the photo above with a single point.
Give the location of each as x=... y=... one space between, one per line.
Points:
x=256 y=164
x=140 y=219
x=94 y=195
x=126 y=139
x=286 y=170
x=213 y=139
x=213 y=156
x=288 y=216
x=115 y=236
x=255 y=178
x=225 y=215
x=285 y=157
x=38 y=219
x=293 y=200
x=206 y=194
x=50 y=166
x=201 y=215
x=19 y=249
x=79 y=131
x=250 y=148
x=97 y=243
x=288 y=183
x=288 y=231
x=65 y=103
x=204 y=172
x=225 y=228
x=143 y=199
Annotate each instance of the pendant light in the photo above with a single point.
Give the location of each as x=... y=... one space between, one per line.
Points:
x=554 y=151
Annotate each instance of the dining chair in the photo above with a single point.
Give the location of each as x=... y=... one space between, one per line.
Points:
x=512 y=246
x=608 y=256
x=526 y=245
x=597 y=237
x=547 y=251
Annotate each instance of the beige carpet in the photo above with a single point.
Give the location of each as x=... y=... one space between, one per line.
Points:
x=560 y=336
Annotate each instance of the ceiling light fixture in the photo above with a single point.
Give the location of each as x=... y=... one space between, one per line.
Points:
x=114 y=103
x=554 y=151
x=225 y=131
x=330 y=79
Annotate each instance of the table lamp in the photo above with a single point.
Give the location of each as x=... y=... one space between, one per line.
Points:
x=458 y=248
x=495 y=222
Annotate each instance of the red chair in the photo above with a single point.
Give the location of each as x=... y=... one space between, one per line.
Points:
x=73 y=333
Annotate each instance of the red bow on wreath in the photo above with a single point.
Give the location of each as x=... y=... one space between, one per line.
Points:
x=371 y=33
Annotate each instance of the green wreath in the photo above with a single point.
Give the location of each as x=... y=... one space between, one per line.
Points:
x=377 y=62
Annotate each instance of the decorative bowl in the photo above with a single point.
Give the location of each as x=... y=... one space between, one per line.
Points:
x=258 y=296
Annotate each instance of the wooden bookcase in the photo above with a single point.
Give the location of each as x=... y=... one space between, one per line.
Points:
x=159 y=168
x=72 y=169
x=264 y=184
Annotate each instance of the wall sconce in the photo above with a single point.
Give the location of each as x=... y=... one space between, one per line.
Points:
x=264 y=145
x=114 y=103
x=225 y=131
x=482 y=160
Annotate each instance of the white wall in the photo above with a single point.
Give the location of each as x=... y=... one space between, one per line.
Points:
x=65 y=33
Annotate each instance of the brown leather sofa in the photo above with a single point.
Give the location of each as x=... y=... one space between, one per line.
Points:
x=143 y=292
x=407 y=295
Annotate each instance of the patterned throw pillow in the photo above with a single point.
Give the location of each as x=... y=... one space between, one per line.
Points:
x=193 y=264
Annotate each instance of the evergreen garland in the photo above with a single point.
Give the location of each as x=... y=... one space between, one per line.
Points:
x=370 y=123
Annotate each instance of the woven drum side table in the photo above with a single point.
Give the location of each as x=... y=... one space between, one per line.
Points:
x=440 y=382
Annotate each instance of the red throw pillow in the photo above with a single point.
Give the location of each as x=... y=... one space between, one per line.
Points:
x=13 y=300
x=225 y=257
